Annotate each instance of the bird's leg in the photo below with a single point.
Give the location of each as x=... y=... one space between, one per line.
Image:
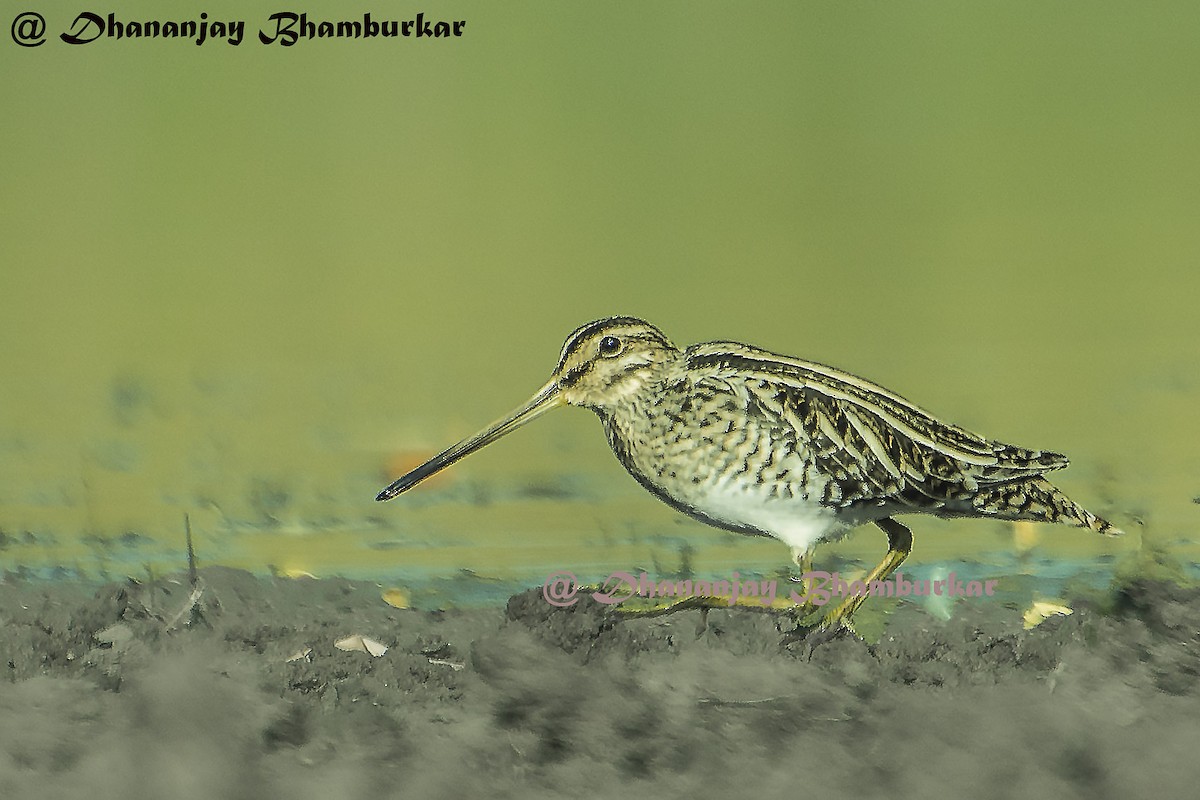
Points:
x=803 y=560
x=799 y=610
x=658 y=607
x=680 y=597
x=899 y=546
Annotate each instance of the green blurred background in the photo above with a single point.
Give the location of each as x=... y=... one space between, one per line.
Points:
x=255 y=283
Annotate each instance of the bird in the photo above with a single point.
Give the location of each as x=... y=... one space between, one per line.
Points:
x=763 y=444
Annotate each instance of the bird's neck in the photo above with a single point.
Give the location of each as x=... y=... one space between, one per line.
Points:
x=630 y=421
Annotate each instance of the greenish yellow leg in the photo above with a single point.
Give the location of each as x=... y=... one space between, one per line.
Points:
x=803 y=559
x=899 y=546
x=657 y=606
x=637 y=606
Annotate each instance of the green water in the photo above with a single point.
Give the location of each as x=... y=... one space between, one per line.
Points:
x=246 y=283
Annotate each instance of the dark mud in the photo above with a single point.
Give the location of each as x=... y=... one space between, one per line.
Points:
x=131 y=691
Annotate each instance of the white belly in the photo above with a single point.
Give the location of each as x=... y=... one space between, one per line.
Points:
x=798 y=523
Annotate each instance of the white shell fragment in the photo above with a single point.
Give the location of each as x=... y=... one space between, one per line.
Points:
x=299 y=655
x=454 y=665
x=359 y=643
x=1042 y=610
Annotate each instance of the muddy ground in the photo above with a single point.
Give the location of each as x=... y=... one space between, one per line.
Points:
x=112 y=693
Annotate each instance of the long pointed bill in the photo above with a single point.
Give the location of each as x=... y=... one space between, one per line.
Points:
x=547 y=397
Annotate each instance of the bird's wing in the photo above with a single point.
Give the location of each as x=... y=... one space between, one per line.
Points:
x=872 y=442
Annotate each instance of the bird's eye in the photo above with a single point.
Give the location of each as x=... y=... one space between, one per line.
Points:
x=610 y=346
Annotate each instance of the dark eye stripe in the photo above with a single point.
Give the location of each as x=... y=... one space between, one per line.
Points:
x=620 y=376
x=573 y=375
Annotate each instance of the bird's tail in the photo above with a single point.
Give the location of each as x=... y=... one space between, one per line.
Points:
x=1040 y=501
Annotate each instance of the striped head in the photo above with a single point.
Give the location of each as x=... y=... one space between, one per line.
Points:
x=610 y=359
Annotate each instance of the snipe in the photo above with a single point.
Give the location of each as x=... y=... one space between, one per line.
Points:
x=763 y=444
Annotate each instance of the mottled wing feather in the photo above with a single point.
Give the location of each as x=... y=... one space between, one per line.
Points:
x=876 y=446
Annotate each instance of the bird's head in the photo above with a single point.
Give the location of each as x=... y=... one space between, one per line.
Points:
x=601 y=365
x=604 y=362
